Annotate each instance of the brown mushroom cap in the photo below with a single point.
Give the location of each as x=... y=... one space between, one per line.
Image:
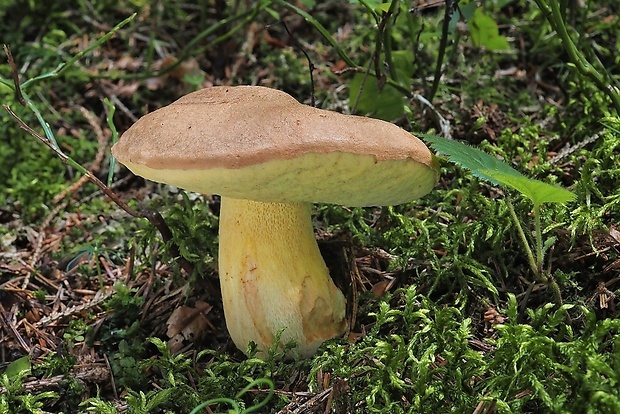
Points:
x=258 y=143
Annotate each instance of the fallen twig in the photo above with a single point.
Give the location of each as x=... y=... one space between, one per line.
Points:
x=98 y=299
x=309 y=406
x=38 y=245
x=154 y=217
x=10 y=328
x=94 y=373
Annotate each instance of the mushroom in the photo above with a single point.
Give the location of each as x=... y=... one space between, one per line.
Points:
x=270 y=157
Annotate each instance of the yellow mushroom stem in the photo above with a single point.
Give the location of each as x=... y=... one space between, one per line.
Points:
x=272 y=277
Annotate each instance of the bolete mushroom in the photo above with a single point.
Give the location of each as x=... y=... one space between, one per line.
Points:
x=270 y=157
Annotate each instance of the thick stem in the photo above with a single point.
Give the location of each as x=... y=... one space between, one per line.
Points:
x=273 y=277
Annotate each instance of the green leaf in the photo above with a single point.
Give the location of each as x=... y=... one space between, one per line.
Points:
x=495 y=171
x=308 y=4
x=374 y=4
x=612 y=123
x=470 y=158
x=485 y=33
x=403 y=63
x=18 y=368
x=537 y=191
x=388 y=103
x=383 y=7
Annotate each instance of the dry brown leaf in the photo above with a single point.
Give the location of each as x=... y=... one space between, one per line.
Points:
x=175 y=344
x=153 y=84
x=339 y=66
x=353 y=337
x=128 y=63
x=189 y=66
x=493 y=317
x=379 y=288
x=125 y=90
x=273 y=42
x=190 y=322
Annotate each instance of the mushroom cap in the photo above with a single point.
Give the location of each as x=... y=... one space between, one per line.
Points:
x=257 y=143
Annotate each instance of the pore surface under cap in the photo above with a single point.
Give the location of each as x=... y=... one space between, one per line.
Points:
x=261 y=144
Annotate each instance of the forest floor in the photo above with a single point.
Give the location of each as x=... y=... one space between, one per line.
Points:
x=100 y=314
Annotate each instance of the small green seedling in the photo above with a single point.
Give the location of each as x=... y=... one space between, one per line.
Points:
x=497 y=172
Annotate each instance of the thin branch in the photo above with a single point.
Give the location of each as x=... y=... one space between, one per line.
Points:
x=154 y=217
x=50 y=141
x=311 y=66
x=15 y=73
x=63 y=157
x=10 y=329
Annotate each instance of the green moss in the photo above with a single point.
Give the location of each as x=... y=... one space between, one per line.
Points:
x=425 y=345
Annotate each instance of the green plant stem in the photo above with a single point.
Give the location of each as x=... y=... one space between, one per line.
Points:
x=334 y=44
x=536 y=262
x=236 y=408
x=245 y=17
x=46 y=127
x=538 y=239
x=387 y=39
x=370 y=10
x=320 y=28
x=524 y=242
x=443 y=43
x=190 y=49
x=553 y=14
x=65 y=66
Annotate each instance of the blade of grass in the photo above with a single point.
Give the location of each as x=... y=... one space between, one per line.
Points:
x=553 y=13
x=190 y=49
x=320 y=28
x=66 y=65
x=333 y=43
